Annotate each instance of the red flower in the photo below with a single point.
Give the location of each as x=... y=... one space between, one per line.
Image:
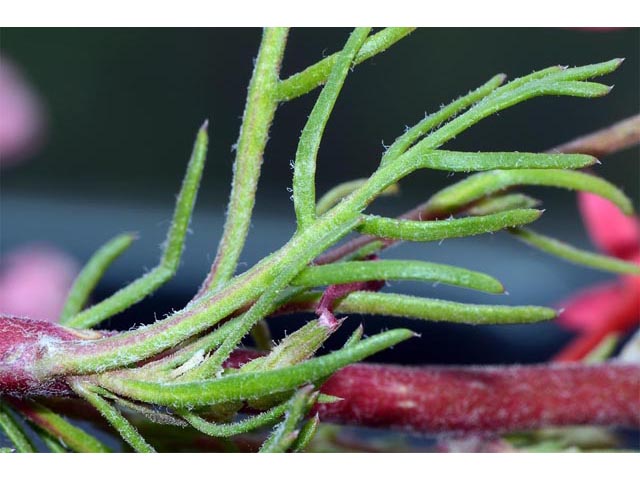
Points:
x=611 y=307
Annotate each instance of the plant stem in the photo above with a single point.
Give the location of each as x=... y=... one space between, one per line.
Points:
x=304 y=174
x=317 y=74
x=254 y=134
x=114 y=417
x=611 y=139
x=437 y=399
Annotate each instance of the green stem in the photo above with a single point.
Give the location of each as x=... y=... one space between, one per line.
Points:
x=304 y=188
x=230 y=429
x=114 y=417
x=285 y=434
x=362 y=271
x=573 y=254
x=318 y=73
x=402 y=143
x=236 y=387
x=258 y=114
x=91 y=274
x=170 y=260
x=429 y=231
x=429 y=309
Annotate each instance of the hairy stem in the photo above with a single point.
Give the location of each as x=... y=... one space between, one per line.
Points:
x=317 y=74
x=258 y=114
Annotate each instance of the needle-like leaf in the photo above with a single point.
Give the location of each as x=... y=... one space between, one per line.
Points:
x=481 y=185
x=267 y=417
x=402 y=143
x=315 y=75
x=359 y=271
x=91 y=274
x=575 y=255
x=304 y=189
x=285 y=434
x=429 y=231
x=251 y=385
x=114 y=417
x=170 y=260
x=397 y=305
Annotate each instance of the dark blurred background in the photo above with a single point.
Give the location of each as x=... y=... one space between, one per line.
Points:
x=123 y=106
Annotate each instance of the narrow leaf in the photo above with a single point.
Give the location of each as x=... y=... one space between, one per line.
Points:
x=397 y=305
x=148 y=283
x=347 y=272
x=306 y=434
x=60 y=429
x=230 y=429
x=252 y=385
x=501 y=203
x=478 y=162
x=285 y=434
x=575 y=255
x=304 y=190
x=402 y=143
x=481 y=185
x=91 y=274
x=513 y=93
x=317 y=74
x=429 y=231
x=114 y=417
x=577 y=89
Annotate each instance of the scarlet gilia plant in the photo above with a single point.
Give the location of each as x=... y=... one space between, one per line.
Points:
x=186 y=372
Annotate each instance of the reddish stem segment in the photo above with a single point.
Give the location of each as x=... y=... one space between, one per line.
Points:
x=481 y=399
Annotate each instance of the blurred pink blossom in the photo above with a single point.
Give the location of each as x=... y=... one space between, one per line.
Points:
x=21 y=116
x=34 y=282
x=612 y=307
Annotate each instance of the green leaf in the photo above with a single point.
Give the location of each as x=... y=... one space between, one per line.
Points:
x=306 y=434
x=267 y=302
x=114 y=417
x=304 y=190
x=501 y=203
x=158 y=276
x=91 y=274
x=259 y=111
x=478 y=162
x=402 y=143
x=481 y=185
x=545 y=82
x=285 y=434
x=397 y=305
x=294 y=348
x=577 y=89
x=230 y=429
x=251 y=385
x=429 y=231
x=575 y=255
x=359 y=271
x=317 y=74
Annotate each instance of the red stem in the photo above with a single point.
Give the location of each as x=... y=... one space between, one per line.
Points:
x=481 y=399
